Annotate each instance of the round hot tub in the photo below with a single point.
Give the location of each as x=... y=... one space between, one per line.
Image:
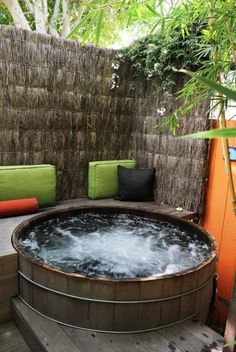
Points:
x=114 y=270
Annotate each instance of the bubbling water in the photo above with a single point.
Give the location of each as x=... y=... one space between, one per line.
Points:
x=114 y=245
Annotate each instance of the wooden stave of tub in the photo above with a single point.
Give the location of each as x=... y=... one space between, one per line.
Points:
x=115 y=305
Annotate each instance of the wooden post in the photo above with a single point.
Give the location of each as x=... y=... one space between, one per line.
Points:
x=230 y=330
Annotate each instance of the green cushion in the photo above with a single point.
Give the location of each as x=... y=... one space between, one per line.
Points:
x=103 y=178
x=26 y=181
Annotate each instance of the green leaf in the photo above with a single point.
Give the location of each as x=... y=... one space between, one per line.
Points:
x=152 y=10
x=99 y=26
x=75 y=30
x=224 y=302
x=217 y=133
x=231 y=343
x=229 y=93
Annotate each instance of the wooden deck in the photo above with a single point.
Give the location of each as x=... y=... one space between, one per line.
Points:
x=190 y=336
x=186 y=337
x=44 y=335
x=11 y=339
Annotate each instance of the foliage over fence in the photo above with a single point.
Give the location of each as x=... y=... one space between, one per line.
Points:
x=57 y=106
x=155 y=56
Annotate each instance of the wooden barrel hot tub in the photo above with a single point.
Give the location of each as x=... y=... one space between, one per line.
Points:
x=115 y=305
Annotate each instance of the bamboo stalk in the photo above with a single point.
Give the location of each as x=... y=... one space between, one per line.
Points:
x=225 y=146
x=222 y=118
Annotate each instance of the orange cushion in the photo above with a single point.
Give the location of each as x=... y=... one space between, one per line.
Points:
x=18 y=206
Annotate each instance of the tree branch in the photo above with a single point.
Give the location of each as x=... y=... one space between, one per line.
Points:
x=53 y=20
x=18 y=16
x=55 y=10
x=66 y=19
x=40 y=22
x=30 y=6
x=45 y=10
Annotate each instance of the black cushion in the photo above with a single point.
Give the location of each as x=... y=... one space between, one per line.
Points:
x=135 y=185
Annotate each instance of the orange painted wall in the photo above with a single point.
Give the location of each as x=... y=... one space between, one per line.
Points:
x=220 y=221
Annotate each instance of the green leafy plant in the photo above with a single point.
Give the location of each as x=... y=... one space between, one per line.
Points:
x=154 y=56
x=198 y=36
x=227 y=94
x=216 y=133
x=89 y=21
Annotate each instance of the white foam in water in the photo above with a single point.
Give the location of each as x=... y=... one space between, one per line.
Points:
x=115 y=246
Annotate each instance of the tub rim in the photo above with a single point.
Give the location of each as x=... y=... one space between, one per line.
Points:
x=25 y=225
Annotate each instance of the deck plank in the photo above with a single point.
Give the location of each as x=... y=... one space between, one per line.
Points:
x=189 y=336
x=143 y=342
x=124 y=343
x=204 y=334
x=41 y=332
x=88 y=341
x=7 y=326
x=154 y=342
x=21 y=347
x=11 y=339
x=186 y=337
x=186 y=341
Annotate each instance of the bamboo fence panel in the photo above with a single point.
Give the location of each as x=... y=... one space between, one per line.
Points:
x=57 y=106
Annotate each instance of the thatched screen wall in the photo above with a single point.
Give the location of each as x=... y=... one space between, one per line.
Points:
x=57 y=106
x=181 y=164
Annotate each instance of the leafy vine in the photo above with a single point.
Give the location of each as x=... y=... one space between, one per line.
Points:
x=155 y=56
